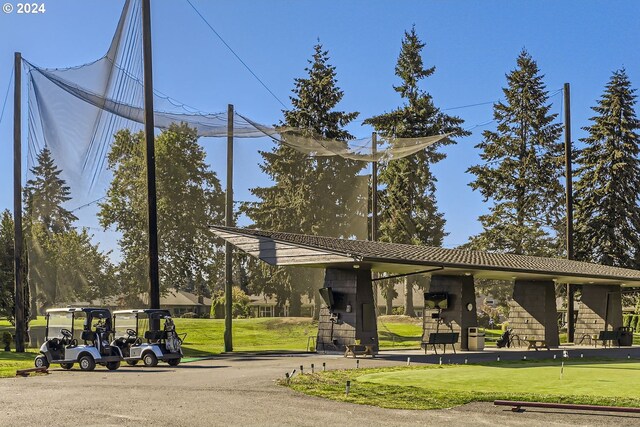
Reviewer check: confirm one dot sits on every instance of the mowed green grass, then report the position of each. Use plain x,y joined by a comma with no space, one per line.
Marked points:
10,362
601,383
206,336
597,379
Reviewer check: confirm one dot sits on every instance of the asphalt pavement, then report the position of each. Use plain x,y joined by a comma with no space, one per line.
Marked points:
237,390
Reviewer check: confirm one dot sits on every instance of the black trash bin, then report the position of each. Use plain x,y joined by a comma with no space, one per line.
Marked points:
626,336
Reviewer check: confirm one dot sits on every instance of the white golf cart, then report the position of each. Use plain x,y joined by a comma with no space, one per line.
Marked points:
160,341
60,345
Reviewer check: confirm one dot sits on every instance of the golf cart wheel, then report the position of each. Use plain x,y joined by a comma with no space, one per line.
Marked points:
173,362
150,359
87,363
132,362
112,366
41,361
66,366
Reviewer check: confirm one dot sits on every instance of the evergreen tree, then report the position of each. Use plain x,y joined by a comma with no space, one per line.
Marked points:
46,193
408,201
310,195
189,199
608,180
64,265
522,170
45,196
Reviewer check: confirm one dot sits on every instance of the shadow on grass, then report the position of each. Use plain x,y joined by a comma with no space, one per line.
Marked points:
389,336
195,352
186,365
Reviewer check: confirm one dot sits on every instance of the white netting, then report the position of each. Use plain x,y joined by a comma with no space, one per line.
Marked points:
89,118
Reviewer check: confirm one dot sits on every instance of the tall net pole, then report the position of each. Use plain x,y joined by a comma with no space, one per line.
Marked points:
228,221
374,203
17,205
374,188
154,274
569,200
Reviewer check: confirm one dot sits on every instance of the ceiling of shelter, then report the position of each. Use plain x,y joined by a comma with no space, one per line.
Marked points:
288,249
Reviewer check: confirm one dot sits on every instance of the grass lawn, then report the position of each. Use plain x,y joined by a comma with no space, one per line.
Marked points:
10,362
601,383
205,336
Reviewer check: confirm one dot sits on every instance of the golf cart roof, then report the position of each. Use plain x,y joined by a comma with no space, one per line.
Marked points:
87,310
147,311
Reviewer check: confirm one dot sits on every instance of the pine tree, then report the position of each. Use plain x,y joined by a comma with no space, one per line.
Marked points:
45,196
522,170
310,195
46,193
408,201
189,199
608,180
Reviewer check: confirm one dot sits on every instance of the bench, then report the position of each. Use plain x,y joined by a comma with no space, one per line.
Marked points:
359,349
605,336
537,344
441,338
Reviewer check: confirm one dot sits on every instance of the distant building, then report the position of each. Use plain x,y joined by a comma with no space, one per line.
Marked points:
182,303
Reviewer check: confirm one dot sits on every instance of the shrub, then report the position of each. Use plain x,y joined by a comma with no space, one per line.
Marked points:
399,311
634,322
7,338
239,301
626,320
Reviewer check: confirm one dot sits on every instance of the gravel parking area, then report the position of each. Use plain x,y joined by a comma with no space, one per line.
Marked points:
236,390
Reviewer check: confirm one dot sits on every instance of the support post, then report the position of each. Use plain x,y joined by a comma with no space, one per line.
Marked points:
149,126
17,205
228,221
569,201
374,203
374,188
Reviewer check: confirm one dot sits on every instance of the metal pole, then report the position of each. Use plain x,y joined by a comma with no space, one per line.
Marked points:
17,204
374,204
374,188
569,199
154,275
228,221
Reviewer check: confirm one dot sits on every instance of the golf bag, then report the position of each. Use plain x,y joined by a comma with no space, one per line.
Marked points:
504,340
172,340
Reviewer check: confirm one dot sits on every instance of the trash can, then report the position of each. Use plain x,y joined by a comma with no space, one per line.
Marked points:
626,336
476,339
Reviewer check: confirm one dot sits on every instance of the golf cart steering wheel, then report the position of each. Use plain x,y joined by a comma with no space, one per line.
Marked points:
131,332
66,333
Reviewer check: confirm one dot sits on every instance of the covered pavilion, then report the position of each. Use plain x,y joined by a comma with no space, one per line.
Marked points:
349,316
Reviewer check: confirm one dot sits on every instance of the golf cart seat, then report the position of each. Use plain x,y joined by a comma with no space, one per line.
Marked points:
155,335
55,344
88,336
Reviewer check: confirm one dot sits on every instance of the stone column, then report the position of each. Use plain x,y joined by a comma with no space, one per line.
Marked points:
600,309
353,317
457,317
533,313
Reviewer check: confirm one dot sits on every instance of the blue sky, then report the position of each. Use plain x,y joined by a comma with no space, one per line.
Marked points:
471,43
